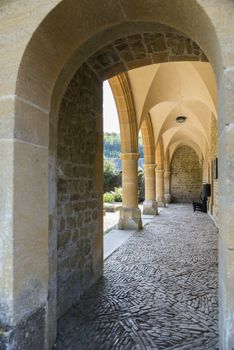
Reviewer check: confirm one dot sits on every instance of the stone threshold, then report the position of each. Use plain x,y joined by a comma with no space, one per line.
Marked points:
115,237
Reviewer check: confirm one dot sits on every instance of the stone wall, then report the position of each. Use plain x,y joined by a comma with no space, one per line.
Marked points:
78,194
186,175
215,203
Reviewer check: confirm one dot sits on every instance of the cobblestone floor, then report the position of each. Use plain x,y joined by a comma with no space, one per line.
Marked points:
159,291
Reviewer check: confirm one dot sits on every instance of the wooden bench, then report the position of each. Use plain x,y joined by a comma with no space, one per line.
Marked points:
201,205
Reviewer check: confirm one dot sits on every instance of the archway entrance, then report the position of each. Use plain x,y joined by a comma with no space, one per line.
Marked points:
88,260
79,171
43,79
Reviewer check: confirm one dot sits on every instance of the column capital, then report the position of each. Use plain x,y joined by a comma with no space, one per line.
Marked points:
129,156
158,170
149,166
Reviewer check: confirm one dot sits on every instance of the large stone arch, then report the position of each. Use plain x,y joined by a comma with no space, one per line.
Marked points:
75,18
49,48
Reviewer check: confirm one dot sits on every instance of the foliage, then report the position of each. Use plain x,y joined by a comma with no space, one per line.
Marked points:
108,197
112,145
112,178
113,196
118,194
141,186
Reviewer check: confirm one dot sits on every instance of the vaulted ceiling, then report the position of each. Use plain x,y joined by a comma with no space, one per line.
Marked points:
164,91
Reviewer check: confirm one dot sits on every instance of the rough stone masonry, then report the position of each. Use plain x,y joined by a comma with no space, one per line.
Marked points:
186,175
77,191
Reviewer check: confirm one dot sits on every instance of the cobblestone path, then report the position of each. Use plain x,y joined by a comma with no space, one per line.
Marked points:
159,291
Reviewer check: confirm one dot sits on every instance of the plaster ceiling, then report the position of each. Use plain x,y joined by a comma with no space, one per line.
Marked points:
167,90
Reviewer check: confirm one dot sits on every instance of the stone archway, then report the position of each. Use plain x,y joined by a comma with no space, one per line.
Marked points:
34,83
79,129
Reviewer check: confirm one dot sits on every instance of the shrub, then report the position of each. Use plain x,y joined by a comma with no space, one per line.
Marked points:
108,197
118,194
141,186
112,178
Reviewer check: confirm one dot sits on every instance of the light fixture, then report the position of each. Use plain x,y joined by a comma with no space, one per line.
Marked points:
181,119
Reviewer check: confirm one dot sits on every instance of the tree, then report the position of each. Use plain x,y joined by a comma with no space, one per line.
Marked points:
112,178
141,186
112,145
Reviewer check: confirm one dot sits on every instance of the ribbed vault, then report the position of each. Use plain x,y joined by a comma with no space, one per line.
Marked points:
160,93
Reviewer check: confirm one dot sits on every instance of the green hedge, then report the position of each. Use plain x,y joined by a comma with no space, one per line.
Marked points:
113,196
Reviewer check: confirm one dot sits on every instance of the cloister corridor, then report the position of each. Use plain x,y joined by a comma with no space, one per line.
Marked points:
170,68
159,290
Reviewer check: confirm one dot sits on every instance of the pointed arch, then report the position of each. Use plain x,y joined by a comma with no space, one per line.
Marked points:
148,140
160,154
121,90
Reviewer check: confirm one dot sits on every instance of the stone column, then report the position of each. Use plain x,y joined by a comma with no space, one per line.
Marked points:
159,177
167,189
130,214
150,206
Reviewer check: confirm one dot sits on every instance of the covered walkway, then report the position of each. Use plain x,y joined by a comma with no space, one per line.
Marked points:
159,291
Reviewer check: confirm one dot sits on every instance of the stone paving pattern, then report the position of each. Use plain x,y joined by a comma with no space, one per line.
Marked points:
159,291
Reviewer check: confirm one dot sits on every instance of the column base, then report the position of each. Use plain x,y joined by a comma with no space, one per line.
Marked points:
161,202
150,207
167,198
130,219
28,334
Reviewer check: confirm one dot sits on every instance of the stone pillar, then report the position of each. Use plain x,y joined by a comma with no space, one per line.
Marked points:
130,214
150,206
159,177
167,189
